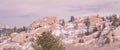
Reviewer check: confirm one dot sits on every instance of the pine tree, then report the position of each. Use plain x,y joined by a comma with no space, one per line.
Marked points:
115,21
103,18
95,29
103,26
72,18
15,29
62,22
87,23
48,42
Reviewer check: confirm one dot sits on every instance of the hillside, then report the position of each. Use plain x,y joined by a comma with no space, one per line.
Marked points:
77,33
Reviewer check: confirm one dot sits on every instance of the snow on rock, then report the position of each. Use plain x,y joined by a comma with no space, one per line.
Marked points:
117,33
20,38
70,33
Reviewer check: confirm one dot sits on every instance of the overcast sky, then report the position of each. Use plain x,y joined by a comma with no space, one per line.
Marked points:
24,12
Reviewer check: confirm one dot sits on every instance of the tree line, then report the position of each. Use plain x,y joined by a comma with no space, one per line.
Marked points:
8,31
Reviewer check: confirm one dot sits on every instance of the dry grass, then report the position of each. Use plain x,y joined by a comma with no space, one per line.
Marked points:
111,46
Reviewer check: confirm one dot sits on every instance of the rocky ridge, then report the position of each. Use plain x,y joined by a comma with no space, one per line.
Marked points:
99,31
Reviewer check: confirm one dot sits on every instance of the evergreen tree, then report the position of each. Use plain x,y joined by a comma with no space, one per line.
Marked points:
72,18
76,26
115,21
48,42
87,23
111,18
15,29
24,29
103,18
62,22
103,26
95,29
0,33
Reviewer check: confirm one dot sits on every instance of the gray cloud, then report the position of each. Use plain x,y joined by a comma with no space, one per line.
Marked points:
23,12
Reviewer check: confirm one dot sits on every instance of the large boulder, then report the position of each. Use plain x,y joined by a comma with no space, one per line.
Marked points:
117,33
20,38
42,22
106,30
91,36
38,31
